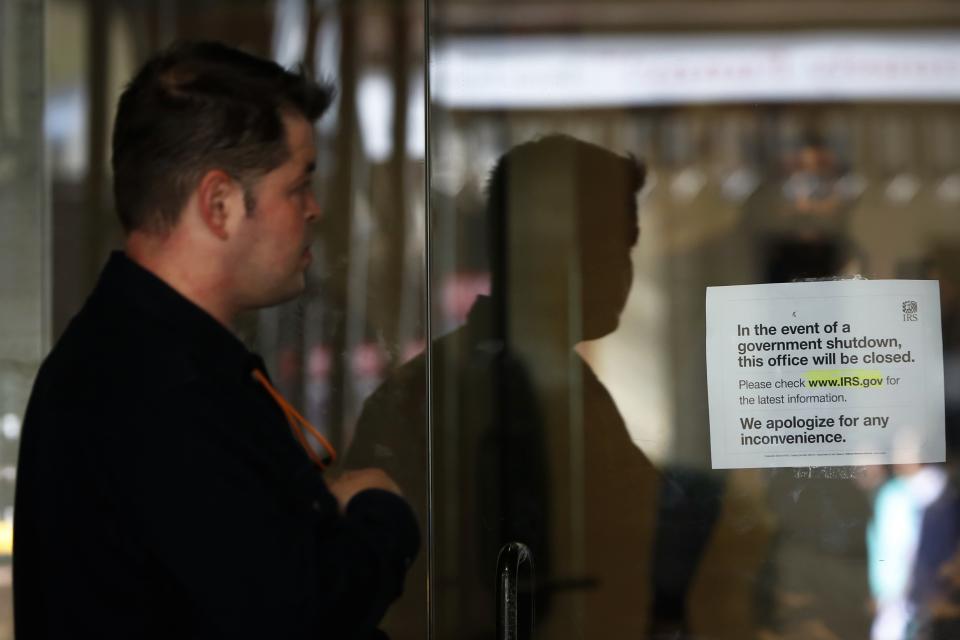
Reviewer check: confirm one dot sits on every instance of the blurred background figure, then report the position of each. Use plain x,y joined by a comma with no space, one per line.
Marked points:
893,541
815,186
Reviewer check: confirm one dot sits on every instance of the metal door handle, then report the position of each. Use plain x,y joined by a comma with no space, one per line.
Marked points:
515,606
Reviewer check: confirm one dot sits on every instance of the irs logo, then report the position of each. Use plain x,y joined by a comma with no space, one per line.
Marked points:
910,311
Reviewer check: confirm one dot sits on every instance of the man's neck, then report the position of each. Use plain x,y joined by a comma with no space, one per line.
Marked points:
196,281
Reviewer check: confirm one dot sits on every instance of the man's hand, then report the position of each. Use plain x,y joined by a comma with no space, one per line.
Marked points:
350,483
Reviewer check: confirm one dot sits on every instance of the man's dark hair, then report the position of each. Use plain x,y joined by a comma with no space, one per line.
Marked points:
196,107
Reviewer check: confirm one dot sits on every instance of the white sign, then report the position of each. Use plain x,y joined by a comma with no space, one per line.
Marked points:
568,71
832,373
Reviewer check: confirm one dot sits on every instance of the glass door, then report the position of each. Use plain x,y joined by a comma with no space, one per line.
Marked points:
526,202
593,168
25,257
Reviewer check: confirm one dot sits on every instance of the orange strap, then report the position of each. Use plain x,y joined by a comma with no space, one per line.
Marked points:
298,423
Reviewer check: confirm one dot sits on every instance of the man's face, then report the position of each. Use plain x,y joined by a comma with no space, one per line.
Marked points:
273,241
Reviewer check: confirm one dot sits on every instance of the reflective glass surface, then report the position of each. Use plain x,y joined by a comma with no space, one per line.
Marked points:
24,252
524,203
748,144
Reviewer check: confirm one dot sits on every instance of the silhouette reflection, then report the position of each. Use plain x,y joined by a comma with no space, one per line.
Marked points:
528,443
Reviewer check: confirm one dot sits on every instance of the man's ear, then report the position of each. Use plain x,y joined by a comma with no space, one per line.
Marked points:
220,200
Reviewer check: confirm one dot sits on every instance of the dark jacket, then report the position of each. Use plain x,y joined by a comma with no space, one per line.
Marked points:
161,493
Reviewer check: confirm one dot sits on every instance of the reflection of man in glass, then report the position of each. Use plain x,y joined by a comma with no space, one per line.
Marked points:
528,444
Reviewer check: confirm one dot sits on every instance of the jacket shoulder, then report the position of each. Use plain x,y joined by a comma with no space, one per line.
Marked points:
99,357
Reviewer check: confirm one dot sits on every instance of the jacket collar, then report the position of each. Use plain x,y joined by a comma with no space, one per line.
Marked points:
151,299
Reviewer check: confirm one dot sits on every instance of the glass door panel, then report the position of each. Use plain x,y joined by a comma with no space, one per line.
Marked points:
568,391
24,253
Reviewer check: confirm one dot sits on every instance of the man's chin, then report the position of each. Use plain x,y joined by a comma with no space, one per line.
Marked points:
280,296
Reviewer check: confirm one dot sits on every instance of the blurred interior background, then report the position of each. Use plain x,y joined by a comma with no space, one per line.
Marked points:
774,132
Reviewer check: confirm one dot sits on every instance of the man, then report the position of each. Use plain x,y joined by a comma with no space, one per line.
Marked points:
161,491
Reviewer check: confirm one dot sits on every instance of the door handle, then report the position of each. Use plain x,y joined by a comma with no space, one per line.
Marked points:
515,588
